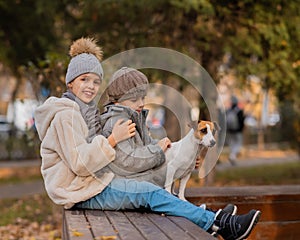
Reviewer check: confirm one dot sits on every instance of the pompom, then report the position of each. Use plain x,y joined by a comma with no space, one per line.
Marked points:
86,45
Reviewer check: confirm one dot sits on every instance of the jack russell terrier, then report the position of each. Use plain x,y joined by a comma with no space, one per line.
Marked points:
181,157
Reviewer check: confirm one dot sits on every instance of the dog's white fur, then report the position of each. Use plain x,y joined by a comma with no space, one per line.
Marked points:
181,157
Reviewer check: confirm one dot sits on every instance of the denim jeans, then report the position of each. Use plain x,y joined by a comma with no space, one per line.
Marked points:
123,194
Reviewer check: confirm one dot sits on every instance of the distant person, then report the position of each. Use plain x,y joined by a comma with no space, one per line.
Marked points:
235,125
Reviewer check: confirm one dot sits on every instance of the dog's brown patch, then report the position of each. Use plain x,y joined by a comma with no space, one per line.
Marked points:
202,128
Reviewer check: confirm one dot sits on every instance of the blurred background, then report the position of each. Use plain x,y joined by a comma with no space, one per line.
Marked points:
249,48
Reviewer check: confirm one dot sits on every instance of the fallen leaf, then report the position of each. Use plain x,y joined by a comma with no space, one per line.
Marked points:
108,237
77,234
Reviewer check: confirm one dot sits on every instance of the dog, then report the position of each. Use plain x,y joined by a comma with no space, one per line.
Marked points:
181,156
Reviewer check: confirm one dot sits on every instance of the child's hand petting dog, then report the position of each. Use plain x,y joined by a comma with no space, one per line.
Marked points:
164,143
198,162
121,131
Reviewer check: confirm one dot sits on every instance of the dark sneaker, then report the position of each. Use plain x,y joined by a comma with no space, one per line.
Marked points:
229,208
236,227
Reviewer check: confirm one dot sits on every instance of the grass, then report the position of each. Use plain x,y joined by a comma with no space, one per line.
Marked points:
277,174
37,208
30,218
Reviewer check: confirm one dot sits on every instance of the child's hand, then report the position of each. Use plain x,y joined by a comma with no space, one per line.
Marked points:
123,130
164,143
199,161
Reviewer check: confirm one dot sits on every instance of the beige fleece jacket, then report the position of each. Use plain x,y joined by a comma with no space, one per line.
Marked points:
69,163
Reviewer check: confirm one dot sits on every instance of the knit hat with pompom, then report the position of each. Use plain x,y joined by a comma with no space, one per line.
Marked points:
127,83
85,58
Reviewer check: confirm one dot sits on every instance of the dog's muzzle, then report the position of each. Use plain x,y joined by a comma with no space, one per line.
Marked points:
212,143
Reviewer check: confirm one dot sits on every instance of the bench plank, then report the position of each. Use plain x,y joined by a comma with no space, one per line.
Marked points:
147,228
76,225
169,227
191,228
101,227
123,226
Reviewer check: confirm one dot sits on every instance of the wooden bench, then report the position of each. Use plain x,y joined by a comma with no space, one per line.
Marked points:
109,225
280,206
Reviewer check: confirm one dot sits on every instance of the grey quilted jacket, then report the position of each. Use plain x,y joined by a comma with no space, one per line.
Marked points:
138,157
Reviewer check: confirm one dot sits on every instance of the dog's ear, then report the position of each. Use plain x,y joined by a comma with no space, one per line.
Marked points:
217,126
193,125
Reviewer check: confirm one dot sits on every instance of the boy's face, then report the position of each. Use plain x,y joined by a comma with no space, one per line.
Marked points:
85,86
136,104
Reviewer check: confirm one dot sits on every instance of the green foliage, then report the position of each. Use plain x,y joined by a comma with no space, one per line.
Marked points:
22,145
26,31
262,36
47,74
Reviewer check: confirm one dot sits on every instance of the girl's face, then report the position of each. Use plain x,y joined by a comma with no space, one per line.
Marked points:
85,86
136,104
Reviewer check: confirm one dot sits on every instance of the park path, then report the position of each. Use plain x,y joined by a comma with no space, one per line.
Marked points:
252,158
21,189
17,190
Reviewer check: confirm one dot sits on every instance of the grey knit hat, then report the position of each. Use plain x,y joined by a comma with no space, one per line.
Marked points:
86,57
127,83
83,63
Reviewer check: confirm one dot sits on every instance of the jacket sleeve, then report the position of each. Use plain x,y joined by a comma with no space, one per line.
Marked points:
82,157
133,157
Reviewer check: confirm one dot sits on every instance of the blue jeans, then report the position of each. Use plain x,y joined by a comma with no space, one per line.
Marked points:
123,194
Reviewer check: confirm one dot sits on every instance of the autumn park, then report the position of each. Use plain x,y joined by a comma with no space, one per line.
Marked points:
203,60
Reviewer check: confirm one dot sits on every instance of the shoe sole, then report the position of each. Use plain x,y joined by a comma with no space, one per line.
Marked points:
254,221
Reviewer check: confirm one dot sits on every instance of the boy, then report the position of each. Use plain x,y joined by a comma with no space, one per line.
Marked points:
139,157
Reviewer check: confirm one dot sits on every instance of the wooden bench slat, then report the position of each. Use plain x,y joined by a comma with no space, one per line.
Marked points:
169,227
76,226
123,226
191,228
147,228
100,224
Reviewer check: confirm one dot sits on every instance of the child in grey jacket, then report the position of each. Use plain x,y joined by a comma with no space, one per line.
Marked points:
140,157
